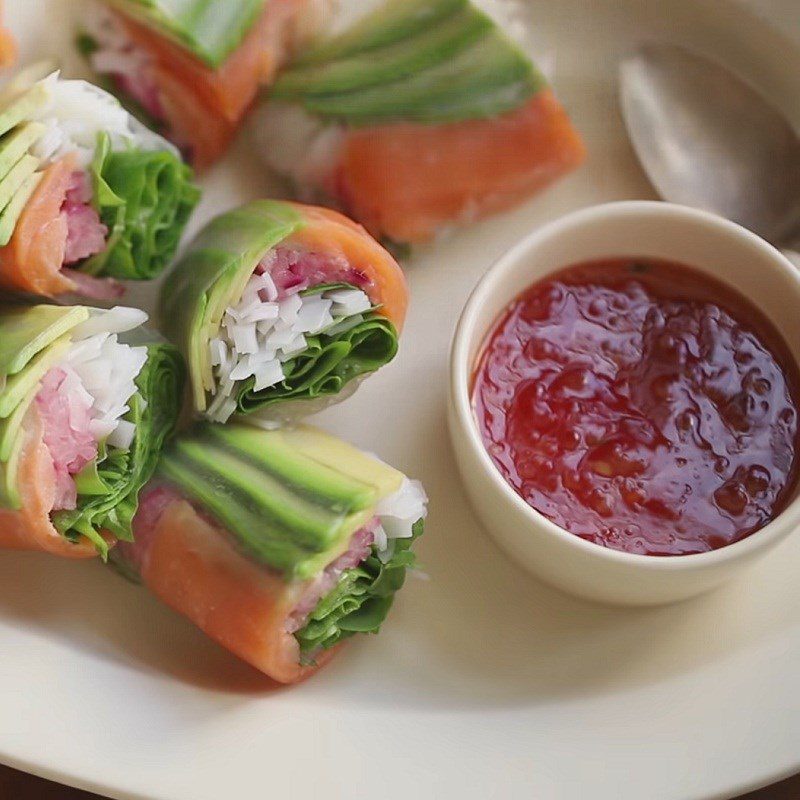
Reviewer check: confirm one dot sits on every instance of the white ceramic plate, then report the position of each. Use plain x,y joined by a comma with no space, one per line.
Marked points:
483,683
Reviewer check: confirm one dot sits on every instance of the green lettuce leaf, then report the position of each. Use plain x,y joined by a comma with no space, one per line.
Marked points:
115,480
145,198
360,600
327,364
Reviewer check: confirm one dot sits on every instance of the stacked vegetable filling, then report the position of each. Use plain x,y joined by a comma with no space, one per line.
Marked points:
83,400
86,191
105,408
302,326
274,303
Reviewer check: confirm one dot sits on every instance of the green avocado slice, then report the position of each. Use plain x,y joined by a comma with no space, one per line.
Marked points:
24,332
16,178
212,274
10,215
398,61
332,452
19,386
391,22
273,453
476,83
275,499
309,525
209,29
24,106
314,564
16,143
253,534
11,443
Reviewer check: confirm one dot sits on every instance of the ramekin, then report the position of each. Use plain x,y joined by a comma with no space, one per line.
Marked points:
643,229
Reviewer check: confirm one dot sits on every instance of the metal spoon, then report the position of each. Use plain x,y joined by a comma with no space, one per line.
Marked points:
707,139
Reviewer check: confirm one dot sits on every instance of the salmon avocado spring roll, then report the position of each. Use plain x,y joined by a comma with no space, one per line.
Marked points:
86,403
87,194
193,67
278,544
422,114
278,302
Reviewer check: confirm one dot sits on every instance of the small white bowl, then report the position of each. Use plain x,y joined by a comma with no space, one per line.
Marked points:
713,245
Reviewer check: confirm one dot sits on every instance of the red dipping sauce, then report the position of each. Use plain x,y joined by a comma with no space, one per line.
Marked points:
641,405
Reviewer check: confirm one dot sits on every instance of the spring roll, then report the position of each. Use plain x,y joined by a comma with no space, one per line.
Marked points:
87,400
280,307
421,115
278,544
193,68
88,195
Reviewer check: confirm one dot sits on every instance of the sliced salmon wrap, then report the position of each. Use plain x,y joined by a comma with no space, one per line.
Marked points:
87,401
279,544
88,195
421,115
8,44
280,309
193,68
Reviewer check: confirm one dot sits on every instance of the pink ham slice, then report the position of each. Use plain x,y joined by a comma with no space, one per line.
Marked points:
86,234
293,271
64,411
30,528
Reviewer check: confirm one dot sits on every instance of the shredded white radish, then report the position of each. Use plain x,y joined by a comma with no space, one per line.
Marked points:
114,320
397,515
258,336
76,112
101,372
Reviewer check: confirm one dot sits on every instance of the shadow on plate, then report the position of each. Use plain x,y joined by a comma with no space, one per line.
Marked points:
90,607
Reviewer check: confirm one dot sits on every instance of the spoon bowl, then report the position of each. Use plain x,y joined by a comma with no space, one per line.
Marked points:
708,139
